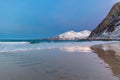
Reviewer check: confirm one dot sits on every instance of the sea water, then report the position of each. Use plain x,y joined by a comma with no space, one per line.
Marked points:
25,45
59,60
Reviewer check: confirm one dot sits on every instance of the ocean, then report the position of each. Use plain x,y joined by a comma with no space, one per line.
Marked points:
59,60
25,45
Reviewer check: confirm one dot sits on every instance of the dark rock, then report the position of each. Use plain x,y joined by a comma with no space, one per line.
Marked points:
109,23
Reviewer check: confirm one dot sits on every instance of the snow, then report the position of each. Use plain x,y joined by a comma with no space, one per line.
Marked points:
112,35
117,23
72,35
109,35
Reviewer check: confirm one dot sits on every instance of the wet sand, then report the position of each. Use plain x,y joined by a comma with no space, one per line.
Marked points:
110,54
99,62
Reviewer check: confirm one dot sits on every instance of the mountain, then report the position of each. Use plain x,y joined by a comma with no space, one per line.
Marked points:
109,28
72,35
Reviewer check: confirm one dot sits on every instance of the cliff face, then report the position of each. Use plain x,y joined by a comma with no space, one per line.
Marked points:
109,24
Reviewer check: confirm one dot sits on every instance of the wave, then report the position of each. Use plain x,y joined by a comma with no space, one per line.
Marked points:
14,43
27,45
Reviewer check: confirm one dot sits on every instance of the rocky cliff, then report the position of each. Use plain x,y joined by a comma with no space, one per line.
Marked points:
109,28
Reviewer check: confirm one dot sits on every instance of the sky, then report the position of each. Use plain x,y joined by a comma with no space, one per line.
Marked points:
35,19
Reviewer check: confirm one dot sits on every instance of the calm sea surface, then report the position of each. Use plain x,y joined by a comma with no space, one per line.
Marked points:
87,60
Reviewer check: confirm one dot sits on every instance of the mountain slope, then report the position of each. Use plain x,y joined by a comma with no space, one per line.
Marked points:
72,35
109,28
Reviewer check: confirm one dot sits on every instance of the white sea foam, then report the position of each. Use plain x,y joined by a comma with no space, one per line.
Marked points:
26,46
14,42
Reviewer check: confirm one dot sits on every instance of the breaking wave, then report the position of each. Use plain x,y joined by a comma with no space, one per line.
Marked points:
1,43
14,46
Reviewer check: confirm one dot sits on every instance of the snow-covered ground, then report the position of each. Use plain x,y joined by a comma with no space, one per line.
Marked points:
111,35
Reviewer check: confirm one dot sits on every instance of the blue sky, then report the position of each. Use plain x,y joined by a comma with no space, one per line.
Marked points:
34,19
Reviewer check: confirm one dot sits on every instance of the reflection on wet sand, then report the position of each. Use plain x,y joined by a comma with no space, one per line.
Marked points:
110,54
76,49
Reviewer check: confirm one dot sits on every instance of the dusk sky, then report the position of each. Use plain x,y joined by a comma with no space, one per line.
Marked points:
34,19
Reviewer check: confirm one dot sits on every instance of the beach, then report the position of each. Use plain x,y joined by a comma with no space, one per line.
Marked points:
60,61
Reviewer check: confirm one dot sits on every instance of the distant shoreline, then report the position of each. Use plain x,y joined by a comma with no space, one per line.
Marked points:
102,39
55,40
88,39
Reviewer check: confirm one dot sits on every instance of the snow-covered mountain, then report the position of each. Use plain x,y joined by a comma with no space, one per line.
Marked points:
72,35
110,35
109,28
